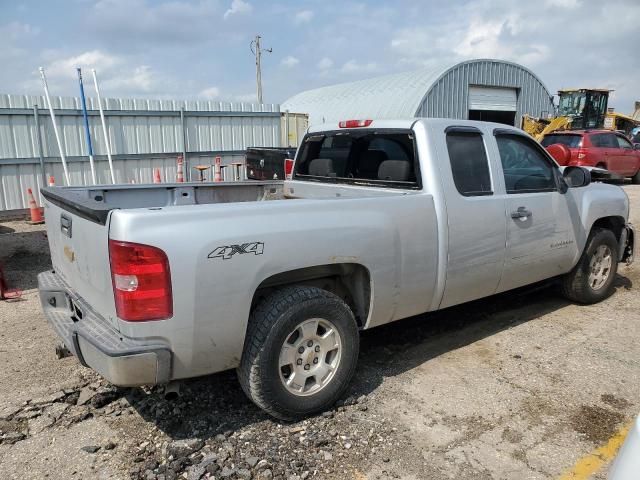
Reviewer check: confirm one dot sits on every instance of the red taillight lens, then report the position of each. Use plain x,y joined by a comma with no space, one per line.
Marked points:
582,154
288,168
141,282
354,123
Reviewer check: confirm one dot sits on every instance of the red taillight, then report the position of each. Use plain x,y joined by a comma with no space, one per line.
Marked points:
288,168
354,123
581,154
141,282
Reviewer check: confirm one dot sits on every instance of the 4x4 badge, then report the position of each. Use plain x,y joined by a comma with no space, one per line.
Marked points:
228,251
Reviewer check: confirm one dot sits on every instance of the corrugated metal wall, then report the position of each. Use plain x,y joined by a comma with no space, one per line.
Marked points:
449,95
144,134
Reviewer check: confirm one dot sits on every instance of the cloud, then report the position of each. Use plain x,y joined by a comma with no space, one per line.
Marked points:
325,63
238,7
210,93
66,67
289,61
499,39
352,67
14,35
134,24
119,75
17,30
548,38
568,4
303,16
139,81
245,97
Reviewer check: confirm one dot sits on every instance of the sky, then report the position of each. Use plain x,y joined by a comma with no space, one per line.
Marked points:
200,49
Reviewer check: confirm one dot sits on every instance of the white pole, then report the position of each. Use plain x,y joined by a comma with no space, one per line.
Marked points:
104,126
55,127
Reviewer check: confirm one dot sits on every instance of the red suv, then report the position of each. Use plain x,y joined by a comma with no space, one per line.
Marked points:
595,148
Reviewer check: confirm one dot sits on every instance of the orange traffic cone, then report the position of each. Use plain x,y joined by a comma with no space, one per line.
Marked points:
52,181
156,176
180,172
34,210
218,170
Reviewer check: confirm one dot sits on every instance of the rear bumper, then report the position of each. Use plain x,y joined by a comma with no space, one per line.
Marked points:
121,360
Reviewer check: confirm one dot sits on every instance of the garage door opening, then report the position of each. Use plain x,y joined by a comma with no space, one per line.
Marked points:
493,104
508,118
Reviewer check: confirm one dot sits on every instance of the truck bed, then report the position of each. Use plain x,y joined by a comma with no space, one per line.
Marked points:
94,203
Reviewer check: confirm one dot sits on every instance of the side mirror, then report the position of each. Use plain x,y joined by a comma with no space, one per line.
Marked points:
576,177
636,146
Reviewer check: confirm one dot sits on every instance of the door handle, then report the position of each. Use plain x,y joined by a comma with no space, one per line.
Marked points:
522,212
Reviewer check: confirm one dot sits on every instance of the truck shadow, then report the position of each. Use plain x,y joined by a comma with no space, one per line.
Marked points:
23,255
215,405
401,346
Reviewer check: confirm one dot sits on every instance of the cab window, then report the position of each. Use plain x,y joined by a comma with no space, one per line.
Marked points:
469,164
361,157
525,167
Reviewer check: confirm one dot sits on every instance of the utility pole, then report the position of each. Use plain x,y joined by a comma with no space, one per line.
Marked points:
257,51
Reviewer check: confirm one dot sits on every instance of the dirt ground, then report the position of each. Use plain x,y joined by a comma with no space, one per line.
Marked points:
517,386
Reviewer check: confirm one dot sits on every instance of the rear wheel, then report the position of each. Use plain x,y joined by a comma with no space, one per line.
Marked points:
591,280
300,352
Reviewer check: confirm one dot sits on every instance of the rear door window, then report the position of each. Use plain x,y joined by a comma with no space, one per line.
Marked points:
624,143
569,140
525,167
604,140
363,157
469,164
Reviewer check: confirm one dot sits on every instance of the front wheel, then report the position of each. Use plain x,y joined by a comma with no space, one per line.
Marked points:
591,280
636,178
300,352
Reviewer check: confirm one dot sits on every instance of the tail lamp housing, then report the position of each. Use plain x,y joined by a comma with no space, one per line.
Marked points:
288,168
141,281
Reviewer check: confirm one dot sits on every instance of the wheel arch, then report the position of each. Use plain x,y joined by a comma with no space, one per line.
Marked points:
349,281
615,223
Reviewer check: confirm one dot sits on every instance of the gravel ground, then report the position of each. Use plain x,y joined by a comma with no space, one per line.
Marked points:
516,386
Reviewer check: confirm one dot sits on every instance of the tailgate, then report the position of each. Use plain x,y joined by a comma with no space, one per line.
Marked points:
80,255
267,163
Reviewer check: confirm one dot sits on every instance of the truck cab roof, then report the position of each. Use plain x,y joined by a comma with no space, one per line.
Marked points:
406,123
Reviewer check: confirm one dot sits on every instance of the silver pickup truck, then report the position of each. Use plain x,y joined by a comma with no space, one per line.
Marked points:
380,220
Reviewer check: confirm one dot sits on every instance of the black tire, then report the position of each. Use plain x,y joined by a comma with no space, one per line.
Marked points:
575,285
636,178
270,324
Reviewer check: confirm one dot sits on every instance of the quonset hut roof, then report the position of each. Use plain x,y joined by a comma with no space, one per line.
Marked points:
406,95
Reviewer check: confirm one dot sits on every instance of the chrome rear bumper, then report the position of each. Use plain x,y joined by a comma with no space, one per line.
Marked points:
122,361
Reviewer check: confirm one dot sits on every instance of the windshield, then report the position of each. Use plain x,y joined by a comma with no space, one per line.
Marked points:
571,141
571,104
363,157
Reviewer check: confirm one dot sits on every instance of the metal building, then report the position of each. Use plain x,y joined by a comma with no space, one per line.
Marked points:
143,135
490,90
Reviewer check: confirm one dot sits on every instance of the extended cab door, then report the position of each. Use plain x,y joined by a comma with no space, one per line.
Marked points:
475,216
540,238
